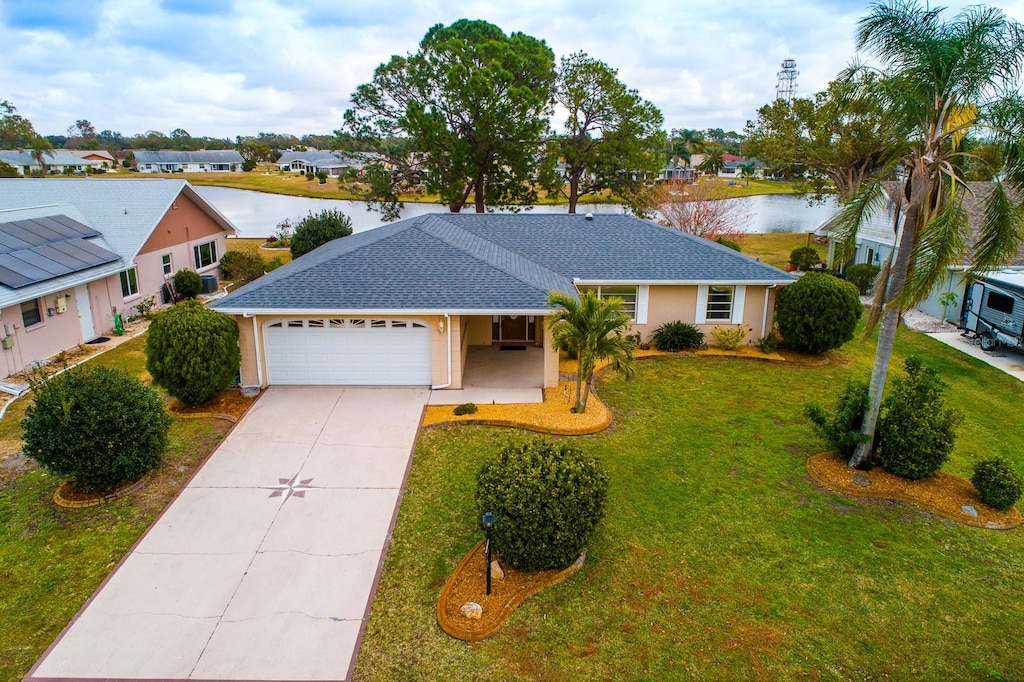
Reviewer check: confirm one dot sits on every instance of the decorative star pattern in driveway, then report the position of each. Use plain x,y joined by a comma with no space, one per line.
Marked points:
290,487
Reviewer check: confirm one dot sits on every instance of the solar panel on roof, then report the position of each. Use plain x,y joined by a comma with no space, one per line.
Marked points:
40,249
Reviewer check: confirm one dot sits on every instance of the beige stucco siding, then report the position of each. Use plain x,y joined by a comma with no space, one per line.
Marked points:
671,303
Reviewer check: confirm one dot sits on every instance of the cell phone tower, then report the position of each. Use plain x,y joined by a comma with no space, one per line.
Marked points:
786,87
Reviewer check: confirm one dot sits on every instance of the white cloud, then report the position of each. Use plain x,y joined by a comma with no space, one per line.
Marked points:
290,65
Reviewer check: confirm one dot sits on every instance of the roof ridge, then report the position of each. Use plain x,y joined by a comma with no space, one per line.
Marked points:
513,264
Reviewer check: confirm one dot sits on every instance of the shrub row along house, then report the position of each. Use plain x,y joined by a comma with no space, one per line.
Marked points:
405,304
73,253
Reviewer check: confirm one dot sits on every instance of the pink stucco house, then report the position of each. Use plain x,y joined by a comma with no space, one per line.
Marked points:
75,252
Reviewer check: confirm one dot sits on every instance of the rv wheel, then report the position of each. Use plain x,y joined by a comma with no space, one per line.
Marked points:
988,342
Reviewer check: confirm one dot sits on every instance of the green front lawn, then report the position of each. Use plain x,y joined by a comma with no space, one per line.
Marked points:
52,559
719,559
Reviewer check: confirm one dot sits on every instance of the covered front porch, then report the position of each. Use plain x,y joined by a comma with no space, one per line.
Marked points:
503,359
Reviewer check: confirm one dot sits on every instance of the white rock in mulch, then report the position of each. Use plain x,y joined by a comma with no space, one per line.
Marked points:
496,571
969,510
922,322
472,610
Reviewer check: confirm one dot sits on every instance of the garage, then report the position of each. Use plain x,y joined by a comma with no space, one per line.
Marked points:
348,352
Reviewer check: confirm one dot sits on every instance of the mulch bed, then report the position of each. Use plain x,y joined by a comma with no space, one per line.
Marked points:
943,493
228,402
71,497
468,584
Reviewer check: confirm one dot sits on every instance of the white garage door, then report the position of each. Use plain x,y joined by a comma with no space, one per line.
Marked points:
348,351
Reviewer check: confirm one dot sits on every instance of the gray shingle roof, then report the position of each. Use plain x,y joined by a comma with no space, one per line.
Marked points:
490,262
202,156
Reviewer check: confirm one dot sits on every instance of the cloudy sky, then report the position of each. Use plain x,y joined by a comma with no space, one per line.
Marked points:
229,67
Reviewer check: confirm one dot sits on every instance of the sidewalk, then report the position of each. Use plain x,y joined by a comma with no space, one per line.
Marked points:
1006,359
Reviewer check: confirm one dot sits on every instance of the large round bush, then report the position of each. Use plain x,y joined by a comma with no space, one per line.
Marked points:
998,484
547,498
862,276
315,230
917,431
98,426
192,351
817,313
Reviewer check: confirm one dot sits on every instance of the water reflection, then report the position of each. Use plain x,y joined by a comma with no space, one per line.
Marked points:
256,214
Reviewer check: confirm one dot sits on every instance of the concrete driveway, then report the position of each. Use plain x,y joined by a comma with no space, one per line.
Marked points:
264,567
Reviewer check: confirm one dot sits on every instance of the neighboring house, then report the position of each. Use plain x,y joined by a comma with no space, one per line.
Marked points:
100,156
877,236
734,168
402,304
56,163
206,161
330,162
677,171
73,253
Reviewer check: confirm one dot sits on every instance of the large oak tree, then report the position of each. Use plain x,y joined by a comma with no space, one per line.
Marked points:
464,115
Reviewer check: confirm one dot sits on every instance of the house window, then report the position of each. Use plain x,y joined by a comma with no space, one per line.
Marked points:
626,293
166,262
31,313
1001,303
720,303
129,283
205,254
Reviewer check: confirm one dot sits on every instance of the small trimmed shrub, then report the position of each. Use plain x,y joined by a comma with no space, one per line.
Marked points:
248,165
547,498
673,337
817,313
728,243
187,283
917,431
192,351
315,230
100,427
804,257
322,177
728,338
465,408
310,175
862,276
840,428
241,266
998,484
768,343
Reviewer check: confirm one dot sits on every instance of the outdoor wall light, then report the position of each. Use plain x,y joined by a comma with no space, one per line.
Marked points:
488,523
440,326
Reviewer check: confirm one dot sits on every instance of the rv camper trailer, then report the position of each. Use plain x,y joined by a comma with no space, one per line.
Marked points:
993,310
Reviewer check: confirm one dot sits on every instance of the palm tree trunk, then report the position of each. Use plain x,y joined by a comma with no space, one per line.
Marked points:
574,190
861,458
579,384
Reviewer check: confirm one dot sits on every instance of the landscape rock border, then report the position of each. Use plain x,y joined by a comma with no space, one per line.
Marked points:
61,500
497,608
944,494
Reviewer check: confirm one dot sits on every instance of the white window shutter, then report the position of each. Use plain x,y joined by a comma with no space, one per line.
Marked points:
738,297
641,303
702,304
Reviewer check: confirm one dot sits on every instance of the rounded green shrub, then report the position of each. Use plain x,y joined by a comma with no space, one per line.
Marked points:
315,230
804,257
547,498
917,431
998,484
192,351
99,427
673,337
817,313
187,283
241,266
862,276
465,408
840,427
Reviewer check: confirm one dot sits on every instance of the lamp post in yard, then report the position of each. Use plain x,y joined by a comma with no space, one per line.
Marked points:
488,523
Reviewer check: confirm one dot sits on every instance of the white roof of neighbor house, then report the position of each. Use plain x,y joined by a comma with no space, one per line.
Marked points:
15,157
1011,278
877,228
125,212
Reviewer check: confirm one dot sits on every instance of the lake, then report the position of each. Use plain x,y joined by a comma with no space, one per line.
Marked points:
256,214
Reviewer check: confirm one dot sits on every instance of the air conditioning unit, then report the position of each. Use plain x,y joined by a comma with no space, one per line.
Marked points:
210,284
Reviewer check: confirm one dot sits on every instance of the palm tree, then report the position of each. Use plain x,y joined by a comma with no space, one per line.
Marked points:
941,82
714,161
594,329
748,170
41,148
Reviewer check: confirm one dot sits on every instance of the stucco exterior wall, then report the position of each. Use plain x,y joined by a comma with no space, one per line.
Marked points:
550,360
671,303
56,332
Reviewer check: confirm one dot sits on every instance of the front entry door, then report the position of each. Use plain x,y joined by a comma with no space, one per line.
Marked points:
85,313
513,329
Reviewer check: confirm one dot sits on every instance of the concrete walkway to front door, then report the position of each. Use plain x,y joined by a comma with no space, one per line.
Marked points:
264,567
